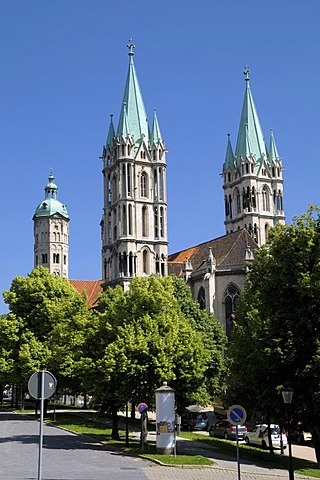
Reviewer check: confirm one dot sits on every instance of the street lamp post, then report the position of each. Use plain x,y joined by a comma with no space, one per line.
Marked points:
287,394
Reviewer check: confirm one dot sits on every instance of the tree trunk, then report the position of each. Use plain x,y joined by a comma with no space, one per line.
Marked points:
115,425
269,433
133,411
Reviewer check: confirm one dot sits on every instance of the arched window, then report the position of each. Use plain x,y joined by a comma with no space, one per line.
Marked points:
124,220
156,228
266,231
265,199
160,184
237,201
144,185
129,180
56,258
202,298
124,181
145,231
231,298
161,222
145,261
130,219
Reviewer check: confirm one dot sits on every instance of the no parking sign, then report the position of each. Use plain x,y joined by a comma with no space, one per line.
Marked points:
236,415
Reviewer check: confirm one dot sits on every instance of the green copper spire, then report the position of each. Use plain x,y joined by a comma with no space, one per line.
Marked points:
136,122
273,152
250,137
228,162
111,133
50,205
155,132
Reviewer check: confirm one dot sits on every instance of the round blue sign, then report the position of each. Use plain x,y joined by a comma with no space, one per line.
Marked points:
142,407
236,415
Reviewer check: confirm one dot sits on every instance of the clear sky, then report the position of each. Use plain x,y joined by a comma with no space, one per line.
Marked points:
63,70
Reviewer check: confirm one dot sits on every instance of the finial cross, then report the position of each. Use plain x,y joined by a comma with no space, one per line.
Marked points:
131,46
246,71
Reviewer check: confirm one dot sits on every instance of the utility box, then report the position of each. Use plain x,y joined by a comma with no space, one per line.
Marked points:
165,419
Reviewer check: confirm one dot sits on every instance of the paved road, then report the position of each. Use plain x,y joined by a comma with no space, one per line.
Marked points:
69,457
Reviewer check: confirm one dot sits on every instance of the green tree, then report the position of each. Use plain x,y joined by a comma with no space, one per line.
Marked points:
49,319
143,338
277,336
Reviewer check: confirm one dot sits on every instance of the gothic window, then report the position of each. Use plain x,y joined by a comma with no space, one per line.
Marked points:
273,172
109,226
123,181
202,298
130,264
230,206
155,184
161,222
123,152
255,233
156,233
226,204
145,261
154,152
128,150
231,298
144,184
129,180
130,219
114,188
144,221
229,177
124,264
253,197
64,259
105,269
247,167
162,265
238,201
157,265
36,259
280,204
266,231
124,220
109,190
44,258
108,161
160,184
265,199
252,167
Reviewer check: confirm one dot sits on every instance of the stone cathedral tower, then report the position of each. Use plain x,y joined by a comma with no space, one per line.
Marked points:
252,177
51,232
134,223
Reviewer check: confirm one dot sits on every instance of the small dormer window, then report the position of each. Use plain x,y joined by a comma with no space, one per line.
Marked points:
229,177
44,205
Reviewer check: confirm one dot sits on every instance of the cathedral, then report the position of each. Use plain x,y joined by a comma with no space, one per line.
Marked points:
134,231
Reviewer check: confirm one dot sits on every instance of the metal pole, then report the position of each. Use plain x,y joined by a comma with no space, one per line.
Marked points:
238,456
41,424
127,425
291,471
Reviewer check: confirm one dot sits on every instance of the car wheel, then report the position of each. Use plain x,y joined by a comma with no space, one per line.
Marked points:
263,444
247,441
211,432
226,436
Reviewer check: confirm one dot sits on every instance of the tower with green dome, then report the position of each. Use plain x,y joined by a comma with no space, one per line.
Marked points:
252,177
51,232
134,222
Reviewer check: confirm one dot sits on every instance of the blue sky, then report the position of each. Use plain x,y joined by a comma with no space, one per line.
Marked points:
63,71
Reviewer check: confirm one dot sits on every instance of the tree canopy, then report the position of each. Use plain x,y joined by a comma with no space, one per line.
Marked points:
143,337
47,325
277,325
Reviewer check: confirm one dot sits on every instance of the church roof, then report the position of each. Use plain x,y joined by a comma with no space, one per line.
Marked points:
250,137
229,252
51,206
133,117
92,288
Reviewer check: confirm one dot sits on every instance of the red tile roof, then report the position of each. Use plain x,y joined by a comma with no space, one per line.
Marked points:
91,288
228,250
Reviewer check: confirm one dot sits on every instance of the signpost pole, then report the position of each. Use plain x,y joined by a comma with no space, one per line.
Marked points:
237,416
41,377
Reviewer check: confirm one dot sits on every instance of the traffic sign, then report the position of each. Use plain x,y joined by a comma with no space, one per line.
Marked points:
142,407
49,384
236,415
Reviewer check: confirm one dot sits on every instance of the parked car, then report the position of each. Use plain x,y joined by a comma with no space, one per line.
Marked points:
259,436
194,421
224,429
